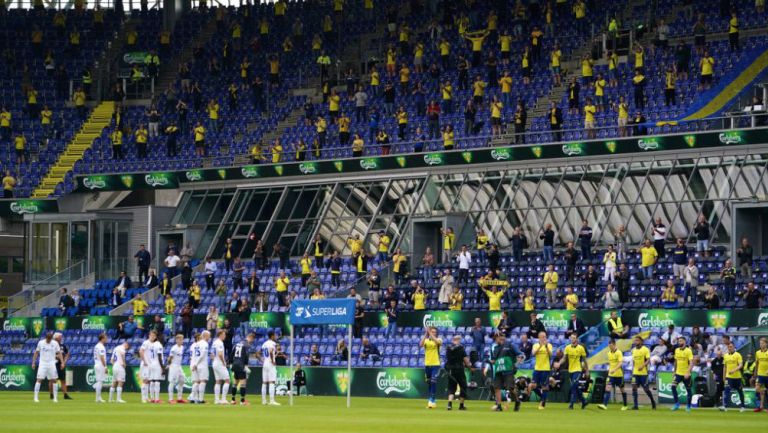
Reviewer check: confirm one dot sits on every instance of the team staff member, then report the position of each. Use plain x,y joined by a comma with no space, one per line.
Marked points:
542,352
504,359
615,375
641,358
431,344
456,360
732,365
683,367
576,357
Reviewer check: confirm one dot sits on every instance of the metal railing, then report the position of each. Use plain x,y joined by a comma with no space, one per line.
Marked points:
44,293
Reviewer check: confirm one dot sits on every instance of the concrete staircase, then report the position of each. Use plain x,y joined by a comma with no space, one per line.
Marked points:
167,75
99,119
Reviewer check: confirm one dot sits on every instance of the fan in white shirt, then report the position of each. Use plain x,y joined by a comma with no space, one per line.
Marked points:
48,350
100,366
220,372
175,373
118,371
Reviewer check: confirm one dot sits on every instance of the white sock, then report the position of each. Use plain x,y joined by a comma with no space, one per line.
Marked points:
170,391
271,392
263,392
157,390
37,389
180,390
119,392
216,392
97,387
201,392
111,392
224,391
55,390
144,391
193,394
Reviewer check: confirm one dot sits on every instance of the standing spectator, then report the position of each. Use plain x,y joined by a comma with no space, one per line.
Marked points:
212,319
745,255
186,320
449,238
399,267
357,328
391,311
659,232
446,287
691,281
210,273
519,244
361,104
753,298
478,338
143,259
648,257
374,287
585,240
609,260
456,302
728,280
550,284
238,267
611,298
622,281
571,257
9,183
548,236
253,287
464,259
590,284
556,121
427,262
229,255
493,257
669,295
187,253
186,277
621,243
281,288
172,263
679,259
221,295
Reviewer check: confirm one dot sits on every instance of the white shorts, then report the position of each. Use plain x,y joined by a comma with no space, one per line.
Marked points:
100,373
155,372
47,371
144,373
269,373
176,374
220,372
200,375
118,373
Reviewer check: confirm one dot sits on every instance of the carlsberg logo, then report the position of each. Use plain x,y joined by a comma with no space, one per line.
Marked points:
433,159
86,324
250,172
308,168
369,164
194,175
648,144
551,321
11,379
573,149
155,180
438,322
651,320
729,138
90,376
501,154
14,326
389,384
762,319
94,183
24,207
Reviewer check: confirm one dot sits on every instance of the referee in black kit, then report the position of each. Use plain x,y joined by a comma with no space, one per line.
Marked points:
456,360
61,369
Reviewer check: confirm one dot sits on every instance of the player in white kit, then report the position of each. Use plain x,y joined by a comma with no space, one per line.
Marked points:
100,366
193,361
269,369
220,371
150,367
118,371
175,373
156,371
49,351
200,367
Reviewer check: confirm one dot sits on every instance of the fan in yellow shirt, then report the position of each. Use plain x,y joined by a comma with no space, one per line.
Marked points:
589,118
494,297
419,299
571,300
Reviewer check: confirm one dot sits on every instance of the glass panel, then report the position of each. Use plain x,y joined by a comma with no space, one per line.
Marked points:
59,246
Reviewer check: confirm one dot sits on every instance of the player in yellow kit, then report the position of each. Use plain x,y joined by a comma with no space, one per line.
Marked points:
431,344
683,367
542,352
615,375
576,356
732,365
761,369
641,358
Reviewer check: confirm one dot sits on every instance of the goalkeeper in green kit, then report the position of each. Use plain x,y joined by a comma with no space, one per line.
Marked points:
504,359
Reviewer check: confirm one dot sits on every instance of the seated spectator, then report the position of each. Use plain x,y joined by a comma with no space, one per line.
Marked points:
575,326
139,305
76,298
669,295
158,325
123,283
115,299
281,358
616,328
505,325
369,351
127,329
315,358
341,353
151,280
389,296
65,301
528,300
535,327
658,353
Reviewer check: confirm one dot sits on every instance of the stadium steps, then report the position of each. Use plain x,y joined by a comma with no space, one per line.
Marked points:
168,70
99,119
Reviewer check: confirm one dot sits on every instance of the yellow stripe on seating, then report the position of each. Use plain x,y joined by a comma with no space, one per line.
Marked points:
623,345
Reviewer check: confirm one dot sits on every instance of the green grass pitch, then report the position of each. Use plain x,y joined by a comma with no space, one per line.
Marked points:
329,414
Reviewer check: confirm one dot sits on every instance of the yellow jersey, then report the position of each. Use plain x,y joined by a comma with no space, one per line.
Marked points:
615,360
306,265
731,361
418,301
494,299
589,113
141,136
600,87
170,306
624,112
281,284
575,354
46,116
586,67
639,59
550,280
543,355
356,245
648,256
571,301
639,357
397,262
343,124
506,84
431,353
479,88
707,65
683,359
445,48
448,239
405,75
761,356
506,43
139,307
5,119
528,303
199,133
19,142
384,242
555,56
496,108
733,25
333,102
375,80
447,92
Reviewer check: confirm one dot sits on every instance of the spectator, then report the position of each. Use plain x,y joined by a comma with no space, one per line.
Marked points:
9,183
478,338
611,298
186,277
622,282
691,281
456,301
419,298
548,236
369,351
238,267
374,287
281,289
590,284
519,244
399,267
194,294
341,353
669,295
127,329
585,240
315,358
621,243
65,300
139,305
526,346
505,325
392,312
357,329
493,257
212,319
571,257
299,379
464,259
609,260
169,305
221,295
123,283
670,334
186,253
143,260
535,327
550,284
575,326
702,235
427,262
281,359
745,255
151,280
115,299
389,295
171,263
449,238
528,300
446,287
648,256
616,328
679,259
253,287
753,298
659,232
158,326
494,297
571,299
728,280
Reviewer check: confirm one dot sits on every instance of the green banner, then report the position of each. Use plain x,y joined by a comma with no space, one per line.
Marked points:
18,207
33,326
17,378
422,160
